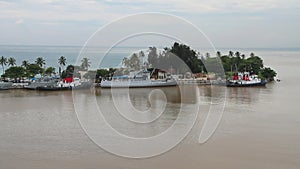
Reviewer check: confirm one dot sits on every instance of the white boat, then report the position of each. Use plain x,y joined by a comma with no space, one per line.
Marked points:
146,78
74,82
71,83
66,84
245,80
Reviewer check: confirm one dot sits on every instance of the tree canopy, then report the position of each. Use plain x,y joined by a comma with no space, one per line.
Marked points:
3,62
15,72
11,61
132,62
50,70
268,73
40,61
85,63
252,64
25,63
62,61
179,57
33,69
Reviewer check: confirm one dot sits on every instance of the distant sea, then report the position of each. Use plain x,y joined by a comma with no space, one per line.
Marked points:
113,58
52,53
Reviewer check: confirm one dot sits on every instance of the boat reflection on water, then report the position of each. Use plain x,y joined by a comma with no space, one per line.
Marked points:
173,94
246,95
181,94
150,110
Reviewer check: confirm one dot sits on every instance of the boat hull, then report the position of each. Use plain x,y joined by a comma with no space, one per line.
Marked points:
137,84
5,85
53,88
36,85
59,88
245,84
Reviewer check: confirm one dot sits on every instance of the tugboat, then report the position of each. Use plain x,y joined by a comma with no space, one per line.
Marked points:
245,80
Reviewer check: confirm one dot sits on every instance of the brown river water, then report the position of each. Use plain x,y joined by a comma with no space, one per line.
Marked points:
260,127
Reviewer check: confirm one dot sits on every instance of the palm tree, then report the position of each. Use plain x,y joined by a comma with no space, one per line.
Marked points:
85,63
141,57
238,60
125,62
230,53
244,62
237,54
218,54
62,62
243,56
40,61
11,61
25,63
3,62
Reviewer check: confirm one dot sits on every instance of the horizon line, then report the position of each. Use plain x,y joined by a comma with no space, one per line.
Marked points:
131,46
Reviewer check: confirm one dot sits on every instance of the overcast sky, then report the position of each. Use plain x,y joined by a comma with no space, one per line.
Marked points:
228,23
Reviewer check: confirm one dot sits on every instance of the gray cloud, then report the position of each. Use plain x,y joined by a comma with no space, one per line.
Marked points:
221,19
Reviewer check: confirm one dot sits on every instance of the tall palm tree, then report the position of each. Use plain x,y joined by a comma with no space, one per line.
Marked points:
141,58
237,54
40,61
218,54
125,62
62,61
243,56
237,60
25,63
3,62
85,63
11,61
230,53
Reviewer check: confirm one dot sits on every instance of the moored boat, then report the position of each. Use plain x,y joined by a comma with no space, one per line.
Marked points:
5,85
245,80
35,85
66,84
145,78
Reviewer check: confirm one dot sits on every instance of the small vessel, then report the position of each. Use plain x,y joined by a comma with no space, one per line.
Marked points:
5,85
35,85
67,84
245,80
146,78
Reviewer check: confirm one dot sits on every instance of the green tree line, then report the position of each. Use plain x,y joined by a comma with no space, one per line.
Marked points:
179,57
29,70
182,58
237,62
